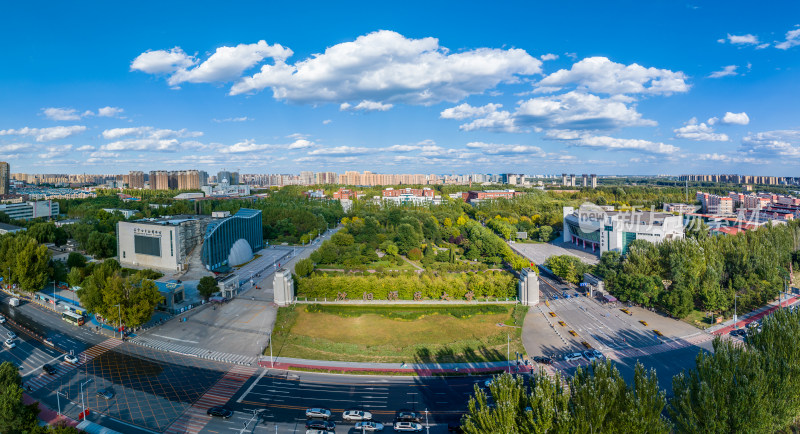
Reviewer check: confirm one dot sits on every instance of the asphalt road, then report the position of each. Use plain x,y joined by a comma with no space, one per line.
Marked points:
282,399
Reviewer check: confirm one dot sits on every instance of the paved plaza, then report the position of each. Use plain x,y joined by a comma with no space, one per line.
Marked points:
539,252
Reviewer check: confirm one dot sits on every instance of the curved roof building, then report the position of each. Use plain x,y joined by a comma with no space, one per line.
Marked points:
232,240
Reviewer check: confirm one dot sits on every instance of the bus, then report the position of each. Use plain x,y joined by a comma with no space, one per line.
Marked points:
74,318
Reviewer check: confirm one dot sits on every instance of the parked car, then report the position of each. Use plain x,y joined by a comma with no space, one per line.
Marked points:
71,358
318,431
543,360
598,354
220,411
48,368
573,356
738,332
9,343
356,415
407,427
325,425
107,394
369,426
11,335
2,319
410,416
589,355
318,413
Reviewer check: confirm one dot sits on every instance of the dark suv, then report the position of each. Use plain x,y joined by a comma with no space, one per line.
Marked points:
407,416
50,369
223,412
325,425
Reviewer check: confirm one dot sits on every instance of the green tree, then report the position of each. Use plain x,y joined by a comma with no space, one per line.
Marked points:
75,277
76,259
407,238
304,267
207,286
545,232
101,245
15,416
32,266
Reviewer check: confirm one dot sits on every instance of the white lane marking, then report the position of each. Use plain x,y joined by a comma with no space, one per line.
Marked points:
176,339
261,375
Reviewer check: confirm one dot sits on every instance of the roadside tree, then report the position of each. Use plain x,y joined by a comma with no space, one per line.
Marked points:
207,286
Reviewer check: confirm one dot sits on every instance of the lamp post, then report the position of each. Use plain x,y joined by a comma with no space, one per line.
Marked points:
735,319
508,352
58,398
427,425
119,324
83,407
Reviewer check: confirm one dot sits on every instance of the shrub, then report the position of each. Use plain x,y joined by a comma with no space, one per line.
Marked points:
415,254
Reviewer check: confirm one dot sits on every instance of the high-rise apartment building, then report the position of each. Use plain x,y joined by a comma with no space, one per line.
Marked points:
135,179
5,178
159,180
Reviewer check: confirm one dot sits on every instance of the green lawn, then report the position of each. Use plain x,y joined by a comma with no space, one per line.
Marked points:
413,334
387,266
698,319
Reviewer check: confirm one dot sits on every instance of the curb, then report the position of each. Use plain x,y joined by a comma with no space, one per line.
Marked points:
377,371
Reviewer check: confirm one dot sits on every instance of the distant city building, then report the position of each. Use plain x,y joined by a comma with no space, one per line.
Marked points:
6,228
681,208
127,213
30,210
135,179
43,193
225,189
603,231
5,178
742,179
347,194
410,196
473,196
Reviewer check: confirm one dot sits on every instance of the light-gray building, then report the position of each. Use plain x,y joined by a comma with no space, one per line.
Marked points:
162,244
30,210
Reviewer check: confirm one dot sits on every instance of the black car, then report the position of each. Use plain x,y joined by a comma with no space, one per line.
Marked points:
325,425
543,360
738,332
223,412
407,416
50,369
105,393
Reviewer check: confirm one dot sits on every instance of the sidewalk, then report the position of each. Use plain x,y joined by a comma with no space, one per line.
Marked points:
743,320
48,415
421,369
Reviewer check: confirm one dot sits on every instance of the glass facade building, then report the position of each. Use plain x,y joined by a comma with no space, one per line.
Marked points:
232,239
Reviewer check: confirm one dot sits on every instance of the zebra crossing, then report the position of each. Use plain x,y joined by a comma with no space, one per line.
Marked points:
674,344
62,368
195,418
195,352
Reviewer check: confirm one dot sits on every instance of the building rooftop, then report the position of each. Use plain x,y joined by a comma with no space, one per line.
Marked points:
8,228
171,220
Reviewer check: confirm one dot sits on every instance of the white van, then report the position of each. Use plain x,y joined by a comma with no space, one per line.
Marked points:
14,302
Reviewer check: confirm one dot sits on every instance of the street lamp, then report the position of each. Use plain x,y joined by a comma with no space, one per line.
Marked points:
58,397
735,320
119,324
83,407
427,425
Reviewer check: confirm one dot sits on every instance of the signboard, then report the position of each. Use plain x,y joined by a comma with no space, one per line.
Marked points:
522,235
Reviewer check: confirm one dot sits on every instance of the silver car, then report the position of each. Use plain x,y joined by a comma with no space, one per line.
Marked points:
369,426
407,427
573,356
318,413
356,415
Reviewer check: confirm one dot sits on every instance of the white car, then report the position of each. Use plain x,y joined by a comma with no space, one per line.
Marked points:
356,415
11,335
2,319
573,356
71,359
369,426
407,427
318,413
9,343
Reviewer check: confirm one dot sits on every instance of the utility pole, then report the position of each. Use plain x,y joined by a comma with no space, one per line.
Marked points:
59,394
119,324
735,320
427,425
83,407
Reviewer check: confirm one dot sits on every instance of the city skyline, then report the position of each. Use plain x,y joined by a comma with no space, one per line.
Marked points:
393,91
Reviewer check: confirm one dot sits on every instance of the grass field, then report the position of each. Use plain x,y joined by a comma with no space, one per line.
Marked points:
395,334
387,266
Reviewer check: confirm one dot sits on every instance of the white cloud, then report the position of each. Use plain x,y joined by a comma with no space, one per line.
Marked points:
700,132
61,114
548,56
55,151
228,63
724,72
725,158
497,121
599,74
148,144
85,148
162,61
762,46
387,67
736,118
465,111
14,147
341,150
792,39
747,39
577,110
326,121
501,149
301,144
777,143
149,132
46,134
247,146
366,106
239,119
612,143
109,112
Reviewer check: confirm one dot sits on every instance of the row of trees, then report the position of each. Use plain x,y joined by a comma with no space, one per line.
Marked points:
492,284
119,296
740,388
24,262
705,273
16,417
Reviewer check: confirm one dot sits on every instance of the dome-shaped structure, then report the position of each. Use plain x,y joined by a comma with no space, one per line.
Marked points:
241,252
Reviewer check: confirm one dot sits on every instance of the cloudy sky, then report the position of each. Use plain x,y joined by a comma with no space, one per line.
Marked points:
659,87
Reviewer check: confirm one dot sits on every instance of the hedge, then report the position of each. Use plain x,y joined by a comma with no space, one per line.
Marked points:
492,284
407,312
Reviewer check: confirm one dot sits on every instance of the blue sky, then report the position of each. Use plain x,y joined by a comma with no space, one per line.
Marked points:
658,87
